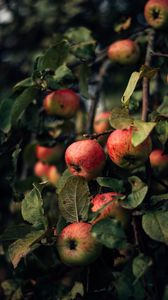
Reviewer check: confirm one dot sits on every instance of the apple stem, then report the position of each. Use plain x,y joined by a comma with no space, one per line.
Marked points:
145,83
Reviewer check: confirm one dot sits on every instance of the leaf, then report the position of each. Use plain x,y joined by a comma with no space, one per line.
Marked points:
136,197
62,180
109,232
15,232
120,118
32,209
5,114
54,57
22,247
83,80
140,266
141,131
79,35
74,199
148,71
62,73
23,84
134,78
77,289
21,103
162,131
158,198
155,224
115,184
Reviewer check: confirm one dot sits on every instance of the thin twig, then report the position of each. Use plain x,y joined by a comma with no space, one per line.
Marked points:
159,54
145,84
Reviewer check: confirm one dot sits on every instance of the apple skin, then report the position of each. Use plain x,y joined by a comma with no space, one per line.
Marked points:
124,52
53,175
159,162
101,122
123,153
76,245
49,154
63,103
156,13
85,158
112,210
41,169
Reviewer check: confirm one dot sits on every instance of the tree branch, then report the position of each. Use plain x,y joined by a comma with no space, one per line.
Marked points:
145,84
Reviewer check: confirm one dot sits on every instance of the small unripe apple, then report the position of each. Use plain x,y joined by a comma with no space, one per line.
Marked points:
85,158
53,174
76,245
124,52
156,13
159,162
112,210
49,154
63,103
123,153
40,169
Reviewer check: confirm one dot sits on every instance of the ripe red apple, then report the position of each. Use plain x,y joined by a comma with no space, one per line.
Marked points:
63,103
113,209
156,13
53,175
124,52
123,153
40,169
159,162
49,154
85,158
101,122
76,246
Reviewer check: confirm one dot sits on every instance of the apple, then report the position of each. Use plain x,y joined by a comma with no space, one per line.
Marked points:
112,210
40,169
101,122
159,162
53,175
63,103
76,245
123,153
124,52
85,158
49,154
156,13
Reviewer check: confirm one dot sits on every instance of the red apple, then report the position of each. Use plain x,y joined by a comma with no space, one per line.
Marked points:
123,153
49,154
159,161
156,13
53,175
40,169
76,246
113,209
85,158
124,52
101,122
63,103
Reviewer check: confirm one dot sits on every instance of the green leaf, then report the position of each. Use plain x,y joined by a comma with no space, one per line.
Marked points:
54,57
141,131
134,78
140,266
120,118
162,131
15,232
77,289
23,84
155,224
32,209
136,197
21,103
158,198
79,35
22,247
115,184
5,114
74,199
62,73
109,232
83,80
62,180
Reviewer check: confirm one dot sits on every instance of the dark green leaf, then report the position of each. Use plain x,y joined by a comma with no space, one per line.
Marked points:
74,199
5,114
136,197
116,185
62,181
83,80
155,224
23,84
15,232
109,232
140,266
